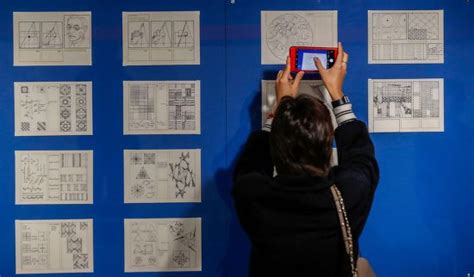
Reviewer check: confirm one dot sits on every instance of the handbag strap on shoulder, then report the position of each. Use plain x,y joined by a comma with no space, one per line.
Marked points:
345,227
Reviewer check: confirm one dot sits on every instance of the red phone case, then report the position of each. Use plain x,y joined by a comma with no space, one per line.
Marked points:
294,50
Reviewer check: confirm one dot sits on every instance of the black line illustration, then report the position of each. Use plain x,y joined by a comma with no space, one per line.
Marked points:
138,34
406,105
52,109
288,30
145,113
81,108
182,175
183,34
52,38
153,176
77,32
39,242
160,38
52,35
412,36
52,177
29,35
423,26
161,34
162,244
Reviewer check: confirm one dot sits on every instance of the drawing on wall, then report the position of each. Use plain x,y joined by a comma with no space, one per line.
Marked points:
156,176
52,38
406,37
309,87
282,29
155,245
406,105
54,246
54,177
139,32
161,38
162,107
53,109
77,31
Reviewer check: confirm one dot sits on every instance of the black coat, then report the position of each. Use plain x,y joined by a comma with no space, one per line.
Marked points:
292,220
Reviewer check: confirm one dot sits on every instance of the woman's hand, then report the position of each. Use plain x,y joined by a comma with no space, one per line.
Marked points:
333,78
285,84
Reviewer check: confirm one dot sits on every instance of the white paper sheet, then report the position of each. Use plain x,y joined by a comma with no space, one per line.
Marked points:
54,177
162,107
53,108
159,176
406,37
309,87
54,246
161,38
283,29
169,244
406,105
52,38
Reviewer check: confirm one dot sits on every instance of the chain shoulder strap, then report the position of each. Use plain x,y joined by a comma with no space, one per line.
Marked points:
345,227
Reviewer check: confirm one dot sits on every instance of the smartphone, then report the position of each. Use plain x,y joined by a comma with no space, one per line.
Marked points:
302,57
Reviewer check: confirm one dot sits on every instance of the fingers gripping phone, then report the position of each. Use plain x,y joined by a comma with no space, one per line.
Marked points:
302,57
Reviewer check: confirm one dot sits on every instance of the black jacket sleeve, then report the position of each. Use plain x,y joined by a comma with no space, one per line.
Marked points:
255,157
357,172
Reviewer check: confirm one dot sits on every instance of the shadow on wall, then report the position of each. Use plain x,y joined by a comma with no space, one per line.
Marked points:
236,256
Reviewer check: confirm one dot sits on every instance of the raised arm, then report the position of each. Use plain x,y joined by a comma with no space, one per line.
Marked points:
357,173
256,157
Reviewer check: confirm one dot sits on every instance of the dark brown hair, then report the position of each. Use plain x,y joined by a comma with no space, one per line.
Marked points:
301,136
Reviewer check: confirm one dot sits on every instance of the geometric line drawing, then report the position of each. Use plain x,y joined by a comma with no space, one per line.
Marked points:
161,34
423,26
138,34
54,246
183,34
29,35
164,107
142,174
53,109
52,38
52,35
288,30
406,36
165,244
406,105
81,108
54,177
390,26
162,176
182,175
65,105
161,38
282,29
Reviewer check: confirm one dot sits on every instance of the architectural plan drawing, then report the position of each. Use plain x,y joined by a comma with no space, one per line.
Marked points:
53,109
162,107
310,87
406,37
53,177
406,105
167,244
52,38
282,29
161,38
156,176
54,246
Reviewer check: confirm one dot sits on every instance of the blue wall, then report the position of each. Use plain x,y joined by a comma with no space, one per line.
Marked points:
421,222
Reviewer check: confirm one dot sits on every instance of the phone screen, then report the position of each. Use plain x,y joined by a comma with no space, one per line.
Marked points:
305,59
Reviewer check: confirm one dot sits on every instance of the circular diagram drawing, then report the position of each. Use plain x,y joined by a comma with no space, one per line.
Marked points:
288,30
